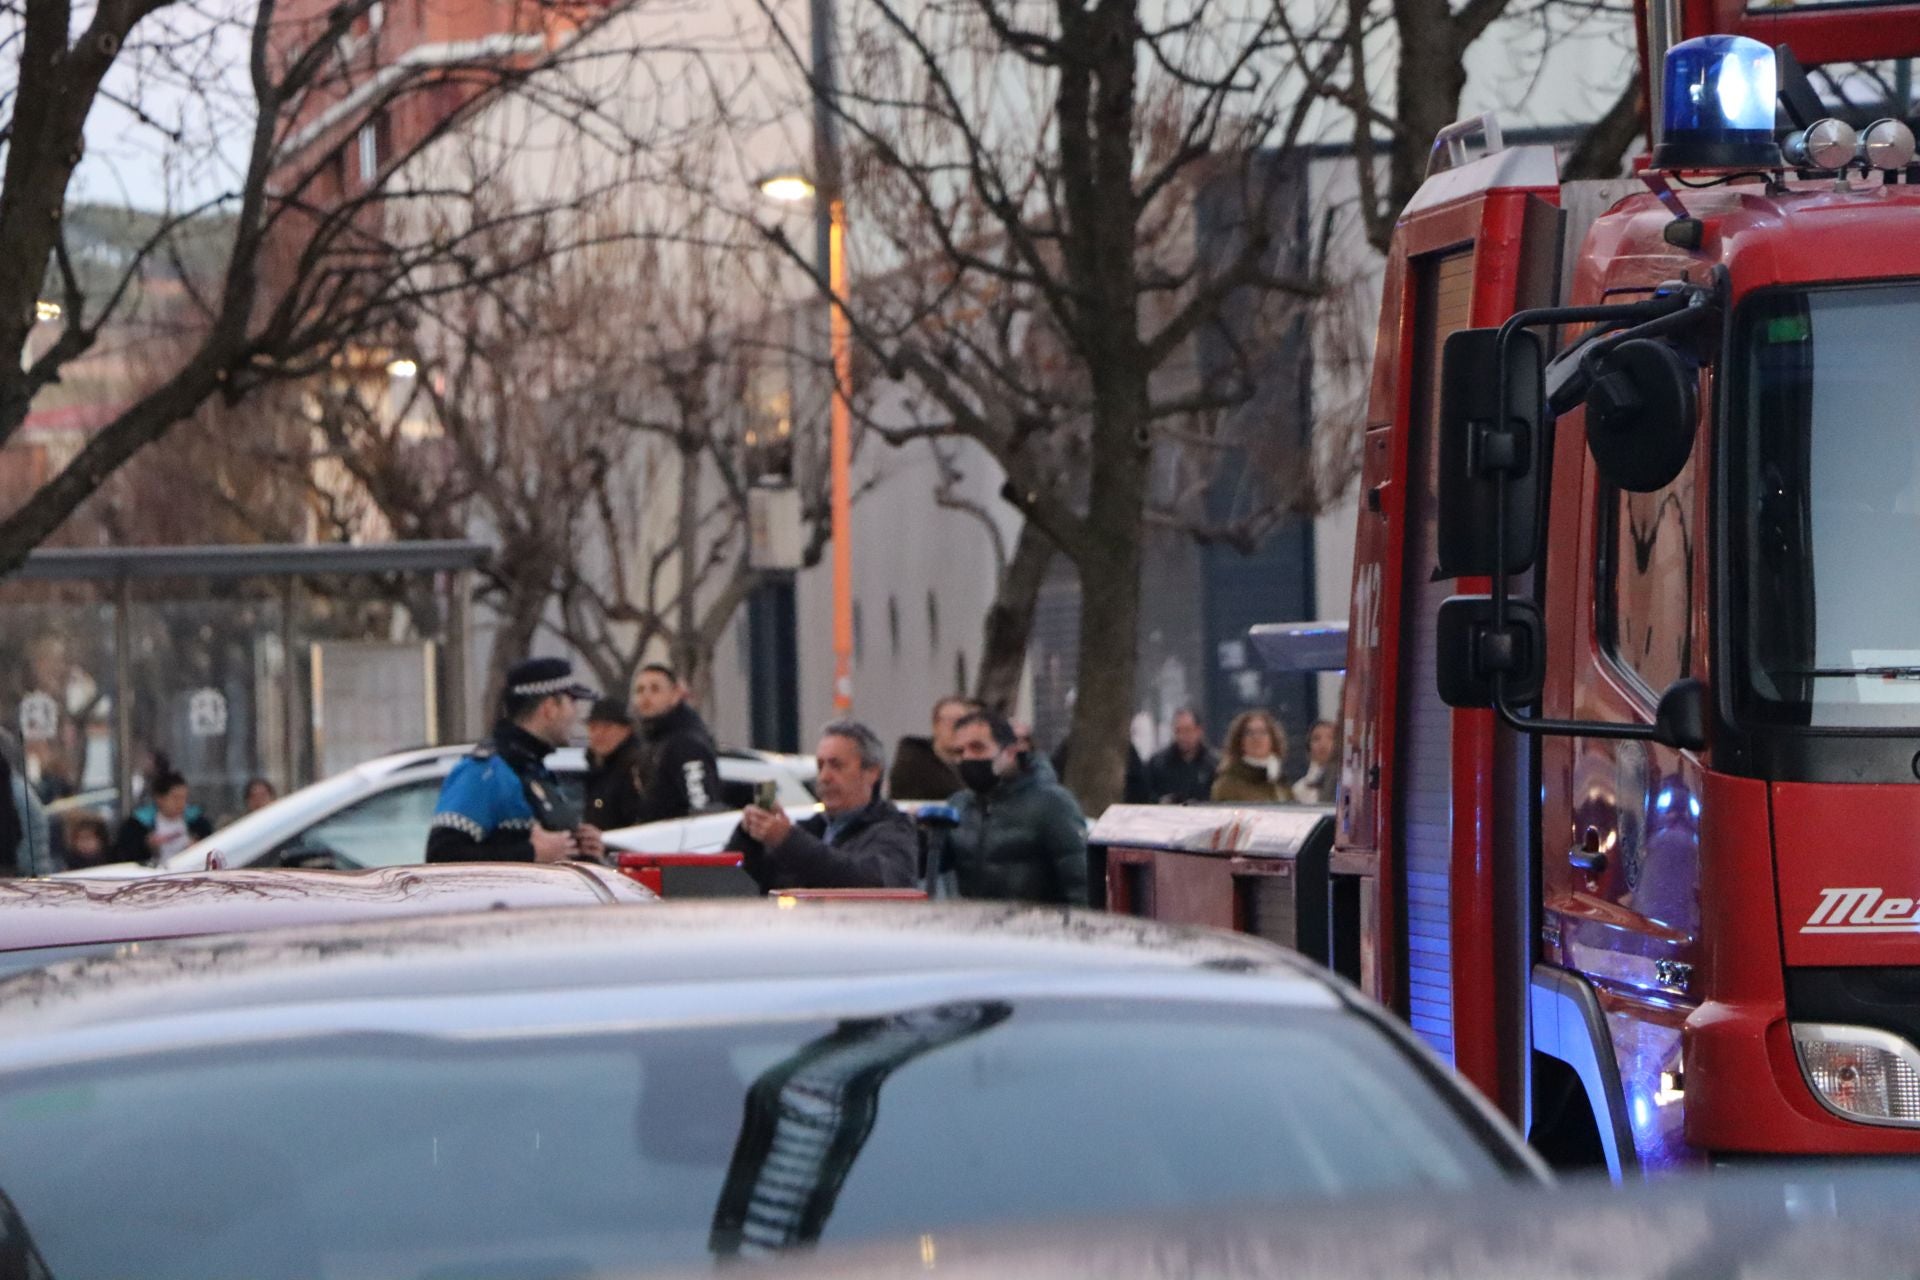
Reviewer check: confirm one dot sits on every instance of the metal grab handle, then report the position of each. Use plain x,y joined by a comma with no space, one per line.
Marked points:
1586,856
1592,863
1451,142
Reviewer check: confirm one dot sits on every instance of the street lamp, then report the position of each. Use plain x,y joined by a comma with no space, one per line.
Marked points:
787,188
792,188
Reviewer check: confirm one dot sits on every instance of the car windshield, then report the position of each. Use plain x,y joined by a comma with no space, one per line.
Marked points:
604,1151
1827,476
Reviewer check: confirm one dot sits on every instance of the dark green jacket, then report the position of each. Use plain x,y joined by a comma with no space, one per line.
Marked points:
1023,841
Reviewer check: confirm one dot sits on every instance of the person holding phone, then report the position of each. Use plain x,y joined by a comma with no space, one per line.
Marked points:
858,841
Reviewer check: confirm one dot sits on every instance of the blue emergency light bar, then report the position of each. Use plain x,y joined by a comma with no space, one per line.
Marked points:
1718,109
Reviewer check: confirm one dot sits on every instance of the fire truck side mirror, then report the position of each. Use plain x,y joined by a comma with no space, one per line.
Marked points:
1483,438
1469,649
1680,721
1642,408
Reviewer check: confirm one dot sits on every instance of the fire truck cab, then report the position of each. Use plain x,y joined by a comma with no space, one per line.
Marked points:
1631,771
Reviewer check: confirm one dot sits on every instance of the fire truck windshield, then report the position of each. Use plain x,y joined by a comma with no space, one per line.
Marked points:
1826,508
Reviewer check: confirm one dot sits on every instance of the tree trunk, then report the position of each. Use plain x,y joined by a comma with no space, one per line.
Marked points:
1008,630
1108,557
520,612
1430,78
1603,149
689,659
1103,699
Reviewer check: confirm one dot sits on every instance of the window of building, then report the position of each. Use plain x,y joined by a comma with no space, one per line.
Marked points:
370,152
933,623
893,624
1648,582
859,633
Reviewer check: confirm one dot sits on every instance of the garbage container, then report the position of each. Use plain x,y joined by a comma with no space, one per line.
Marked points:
1259,869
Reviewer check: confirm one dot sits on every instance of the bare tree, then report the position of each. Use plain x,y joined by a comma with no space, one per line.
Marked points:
280,133
1026,176
1018,573
603,418
1420,48
699,387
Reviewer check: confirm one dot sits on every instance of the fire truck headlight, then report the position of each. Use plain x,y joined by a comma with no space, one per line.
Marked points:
1887,144
1718,109
1860,1072
1824,144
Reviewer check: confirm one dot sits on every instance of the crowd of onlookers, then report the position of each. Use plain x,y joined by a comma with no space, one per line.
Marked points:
1016,832
1008,831
45,839
1249,768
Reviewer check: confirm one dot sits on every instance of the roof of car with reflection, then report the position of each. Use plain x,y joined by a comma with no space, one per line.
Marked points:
666,960
70,912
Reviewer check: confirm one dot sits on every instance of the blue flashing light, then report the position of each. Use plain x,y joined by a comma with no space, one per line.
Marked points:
1719,103
1693,806
1664,801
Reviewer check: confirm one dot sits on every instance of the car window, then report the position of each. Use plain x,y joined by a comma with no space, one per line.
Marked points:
38,957
506,1150
258,829
385,830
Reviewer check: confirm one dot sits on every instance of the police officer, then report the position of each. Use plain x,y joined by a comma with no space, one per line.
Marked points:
501,804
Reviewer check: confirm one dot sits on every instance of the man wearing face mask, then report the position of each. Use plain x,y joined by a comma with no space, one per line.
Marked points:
1021,837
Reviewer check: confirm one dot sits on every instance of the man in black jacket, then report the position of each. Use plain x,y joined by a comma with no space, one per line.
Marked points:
679,772
860,841
615,782
1183,772
1021,837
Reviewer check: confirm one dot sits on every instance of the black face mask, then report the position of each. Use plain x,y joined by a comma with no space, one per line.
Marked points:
978,775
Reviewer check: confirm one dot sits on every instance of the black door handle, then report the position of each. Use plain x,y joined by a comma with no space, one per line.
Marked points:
1587,856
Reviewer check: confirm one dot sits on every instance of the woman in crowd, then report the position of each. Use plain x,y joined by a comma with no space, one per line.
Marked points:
1318,784
1250,761
258,795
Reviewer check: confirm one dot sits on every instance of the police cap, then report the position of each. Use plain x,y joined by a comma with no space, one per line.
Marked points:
543,678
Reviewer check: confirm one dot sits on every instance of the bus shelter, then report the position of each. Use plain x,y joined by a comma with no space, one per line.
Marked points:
232,662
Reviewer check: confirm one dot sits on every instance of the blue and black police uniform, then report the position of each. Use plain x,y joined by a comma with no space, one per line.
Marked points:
490,802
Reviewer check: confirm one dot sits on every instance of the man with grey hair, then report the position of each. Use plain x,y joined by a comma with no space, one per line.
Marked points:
858,841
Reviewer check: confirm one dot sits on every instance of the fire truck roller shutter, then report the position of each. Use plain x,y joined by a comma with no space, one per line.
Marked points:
1443,300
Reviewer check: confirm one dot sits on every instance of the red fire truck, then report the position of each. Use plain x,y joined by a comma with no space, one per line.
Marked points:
1629,825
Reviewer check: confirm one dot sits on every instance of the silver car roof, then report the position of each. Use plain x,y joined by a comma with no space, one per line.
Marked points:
548,972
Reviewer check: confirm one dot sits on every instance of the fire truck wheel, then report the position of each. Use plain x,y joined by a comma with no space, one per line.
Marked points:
1564,1131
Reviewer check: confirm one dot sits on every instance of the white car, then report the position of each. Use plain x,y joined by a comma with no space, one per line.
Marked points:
378,814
